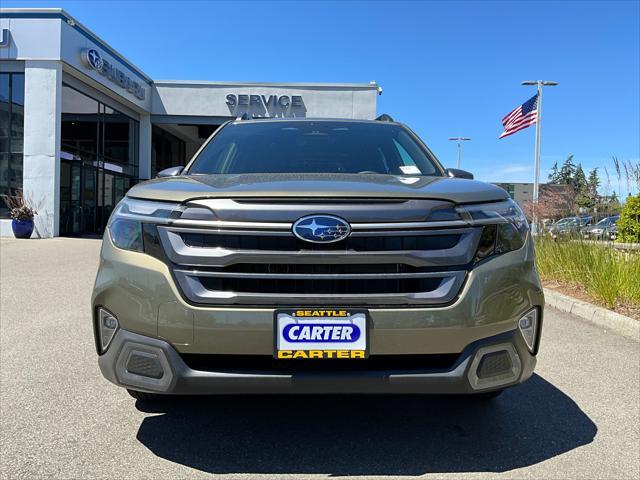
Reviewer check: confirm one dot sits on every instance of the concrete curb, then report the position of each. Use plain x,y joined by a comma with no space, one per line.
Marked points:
610,320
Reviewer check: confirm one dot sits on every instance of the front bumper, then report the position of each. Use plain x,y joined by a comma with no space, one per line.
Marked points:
140,291
177,377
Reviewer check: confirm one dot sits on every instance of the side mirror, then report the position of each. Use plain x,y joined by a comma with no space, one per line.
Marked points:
170,172
457,173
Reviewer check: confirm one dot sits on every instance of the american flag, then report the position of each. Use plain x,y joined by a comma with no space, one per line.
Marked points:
521,117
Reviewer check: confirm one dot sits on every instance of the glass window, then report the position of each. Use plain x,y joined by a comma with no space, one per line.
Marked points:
100,154
11,135
314,147
79,136
167,150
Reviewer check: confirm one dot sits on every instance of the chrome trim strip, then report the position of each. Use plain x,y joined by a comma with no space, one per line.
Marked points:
354,226
287,226
408,225
227,224
180,253
224,231
318,276
285,233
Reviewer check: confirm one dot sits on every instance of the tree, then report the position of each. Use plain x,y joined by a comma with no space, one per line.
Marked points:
610,203
553,176
579,180
580,186
593,183
555,201
629,223
567,172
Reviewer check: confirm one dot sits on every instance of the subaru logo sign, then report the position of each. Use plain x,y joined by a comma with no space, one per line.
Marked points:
321,229
94,59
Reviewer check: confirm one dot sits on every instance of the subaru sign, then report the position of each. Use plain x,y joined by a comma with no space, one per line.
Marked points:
92,58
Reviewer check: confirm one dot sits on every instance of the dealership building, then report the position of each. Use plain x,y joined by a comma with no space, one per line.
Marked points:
80,124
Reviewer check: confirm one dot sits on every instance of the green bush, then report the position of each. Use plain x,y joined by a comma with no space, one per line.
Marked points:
629,223
607,275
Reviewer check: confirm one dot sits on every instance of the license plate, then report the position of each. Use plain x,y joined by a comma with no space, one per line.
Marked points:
321,333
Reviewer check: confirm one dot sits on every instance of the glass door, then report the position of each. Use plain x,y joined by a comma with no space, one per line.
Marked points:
99,162
89,200
70,198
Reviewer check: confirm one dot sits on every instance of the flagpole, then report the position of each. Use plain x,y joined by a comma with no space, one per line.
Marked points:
536,165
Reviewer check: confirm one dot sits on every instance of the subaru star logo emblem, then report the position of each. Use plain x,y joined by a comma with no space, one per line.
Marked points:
321,229
94,59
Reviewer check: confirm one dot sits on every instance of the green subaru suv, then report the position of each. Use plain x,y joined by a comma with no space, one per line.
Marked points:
316,256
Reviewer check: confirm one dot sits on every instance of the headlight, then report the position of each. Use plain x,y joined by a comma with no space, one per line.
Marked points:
505,226
125,224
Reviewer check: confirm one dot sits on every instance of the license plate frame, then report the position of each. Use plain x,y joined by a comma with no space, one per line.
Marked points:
330,348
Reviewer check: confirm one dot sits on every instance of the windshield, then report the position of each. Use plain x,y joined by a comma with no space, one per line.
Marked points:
604,222
314,147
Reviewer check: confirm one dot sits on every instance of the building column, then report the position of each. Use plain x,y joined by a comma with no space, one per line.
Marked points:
144,152
42,125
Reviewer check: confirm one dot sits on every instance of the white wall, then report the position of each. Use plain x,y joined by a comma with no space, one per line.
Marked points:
73,43
31,38
209,99
41,171
144,151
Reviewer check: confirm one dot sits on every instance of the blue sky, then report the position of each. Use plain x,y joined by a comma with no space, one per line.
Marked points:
447,69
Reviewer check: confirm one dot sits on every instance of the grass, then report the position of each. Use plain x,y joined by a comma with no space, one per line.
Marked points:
608,276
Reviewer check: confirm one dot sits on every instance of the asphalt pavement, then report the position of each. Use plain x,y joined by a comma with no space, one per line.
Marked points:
577,417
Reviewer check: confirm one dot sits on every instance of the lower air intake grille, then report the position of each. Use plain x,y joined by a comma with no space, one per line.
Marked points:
494,364
145,364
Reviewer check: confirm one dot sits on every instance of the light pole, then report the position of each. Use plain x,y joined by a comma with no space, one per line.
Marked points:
536,167
459,140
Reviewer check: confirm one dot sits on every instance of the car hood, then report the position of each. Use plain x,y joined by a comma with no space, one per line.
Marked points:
183,188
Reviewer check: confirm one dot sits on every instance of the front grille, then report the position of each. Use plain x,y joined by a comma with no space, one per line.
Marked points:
321,269
321,286
267,363
261,263
290,243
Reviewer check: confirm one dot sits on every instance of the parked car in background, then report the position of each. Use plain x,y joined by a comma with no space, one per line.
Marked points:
570,226
601,229
612,232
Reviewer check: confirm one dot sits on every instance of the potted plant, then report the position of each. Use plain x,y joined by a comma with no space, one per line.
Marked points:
21,214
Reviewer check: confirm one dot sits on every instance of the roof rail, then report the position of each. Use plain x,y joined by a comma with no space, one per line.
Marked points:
384,118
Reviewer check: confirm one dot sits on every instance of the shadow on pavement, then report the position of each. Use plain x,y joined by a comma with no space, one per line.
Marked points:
366,435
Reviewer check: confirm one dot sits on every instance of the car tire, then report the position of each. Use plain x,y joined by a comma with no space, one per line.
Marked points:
145,397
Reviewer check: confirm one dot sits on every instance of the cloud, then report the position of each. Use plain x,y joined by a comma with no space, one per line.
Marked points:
515,169
505,173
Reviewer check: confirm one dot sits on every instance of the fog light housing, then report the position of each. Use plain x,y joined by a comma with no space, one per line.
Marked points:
107,327
145,364
528,327
494,366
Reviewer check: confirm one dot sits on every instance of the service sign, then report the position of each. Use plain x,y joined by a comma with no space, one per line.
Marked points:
321,333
